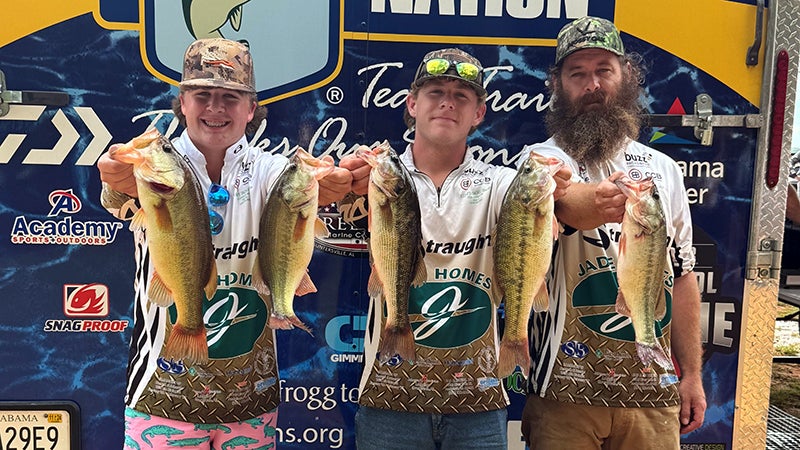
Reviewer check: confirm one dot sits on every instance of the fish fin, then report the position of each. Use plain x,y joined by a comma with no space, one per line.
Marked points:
158,292
258,281
557,228
513,353
320,230
541,301
306,286
138,221
651,353
622,305
374,285
188,345
421,273
211,286
280,322
299,228
396,340
622,245
235,17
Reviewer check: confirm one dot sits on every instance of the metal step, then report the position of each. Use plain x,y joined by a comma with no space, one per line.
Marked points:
783,430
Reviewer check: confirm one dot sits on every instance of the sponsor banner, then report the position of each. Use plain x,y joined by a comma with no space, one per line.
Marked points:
68,266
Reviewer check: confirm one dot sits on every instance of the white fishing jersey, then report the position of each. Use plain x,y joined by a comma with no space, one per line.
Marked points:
240,381
582,350
453,315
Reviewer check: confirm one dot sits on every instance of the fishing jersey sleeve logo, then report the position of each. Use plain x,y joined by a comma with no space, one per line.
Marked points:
449,314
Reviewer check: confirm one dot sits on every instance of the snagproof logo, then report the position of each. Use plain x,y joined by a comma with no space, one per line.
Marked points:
85,300
59,230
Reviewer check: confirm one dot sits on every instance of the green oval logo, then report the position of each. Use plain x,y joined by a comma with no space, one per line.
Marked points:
600,289
238,311
449,315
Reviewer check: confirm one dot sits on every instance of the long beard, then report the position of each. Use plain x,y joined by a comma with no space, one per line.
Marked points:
595,135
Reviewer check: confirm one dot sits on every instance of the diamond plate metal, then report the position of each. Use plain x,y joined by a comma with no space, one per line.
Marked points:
755,364
768,215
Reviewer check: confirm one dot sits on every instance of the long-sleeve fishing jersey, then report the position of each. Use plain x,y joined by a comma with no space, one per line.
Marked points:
453,316
582,350
240,381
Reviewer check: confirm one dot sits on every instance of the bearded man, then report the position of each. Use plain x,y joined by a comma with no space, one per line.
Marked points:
592,384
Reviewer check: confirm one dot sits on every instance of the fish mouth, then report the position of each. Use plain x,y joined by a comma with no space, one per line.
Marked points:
160,188
634,189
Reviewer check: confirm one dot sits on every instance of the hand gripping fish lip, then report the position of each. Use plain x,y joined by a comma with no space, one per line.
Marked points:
632,189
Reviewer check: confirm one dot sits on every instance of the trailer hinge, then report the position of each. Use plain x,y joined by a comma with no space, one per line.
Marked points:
703,120
28,97
766,262
751,59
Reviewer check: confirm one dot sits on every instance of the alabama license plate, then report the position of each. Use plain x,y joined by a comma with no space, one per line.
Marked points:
39,426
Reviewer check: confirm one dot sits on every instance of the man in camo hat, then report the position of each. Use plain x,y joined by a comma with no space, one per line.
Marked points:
218,106
592,384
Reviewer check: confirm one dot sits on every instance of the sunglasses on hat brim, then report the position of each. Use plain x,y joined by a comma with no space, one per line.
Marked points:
440,66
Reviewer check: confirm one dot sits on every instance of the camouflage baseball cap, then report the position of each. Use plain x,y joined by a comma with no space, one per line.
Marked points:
450,66
219,63
588,32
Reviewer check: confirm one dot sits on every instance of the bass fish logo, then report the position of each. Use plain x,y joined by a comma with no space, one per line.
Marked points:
281,70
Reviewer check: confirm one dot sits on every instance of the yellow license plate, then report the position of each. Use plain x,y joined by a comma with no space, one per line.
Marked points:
39,426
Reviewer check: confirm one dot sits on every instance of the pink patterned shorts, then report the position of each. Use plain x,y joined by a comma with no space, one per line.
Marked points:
143,431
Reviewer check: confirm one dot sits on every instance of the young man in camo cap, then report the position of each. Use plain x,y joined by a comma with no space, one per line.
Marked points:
588,386
235,395
452,395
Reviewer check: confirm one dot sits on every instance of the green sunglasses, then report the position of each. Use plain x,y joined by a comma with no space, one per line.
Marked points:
440,66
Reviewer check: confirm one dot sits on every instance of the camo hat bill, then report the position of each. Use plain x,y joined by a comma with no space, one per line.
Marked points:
219,63
451,63
588,32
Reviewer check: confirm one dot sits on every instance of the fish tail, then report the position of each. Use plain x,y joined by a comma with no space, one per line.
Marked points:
188,344
541,301
280,322
397,340
650,353
513,353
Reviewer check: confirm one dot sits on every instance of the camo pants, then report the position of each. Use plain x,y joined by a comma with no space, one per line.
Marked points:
159,433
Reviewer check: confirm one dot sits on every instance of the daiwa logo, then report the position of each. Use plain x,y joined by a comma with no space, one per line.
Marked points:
263,26
65,230
438,309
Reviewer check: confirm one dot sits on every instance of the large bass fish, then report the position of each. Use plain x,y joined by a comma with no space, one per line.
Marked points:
640,267
394,247
523,245
175,217
286,234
